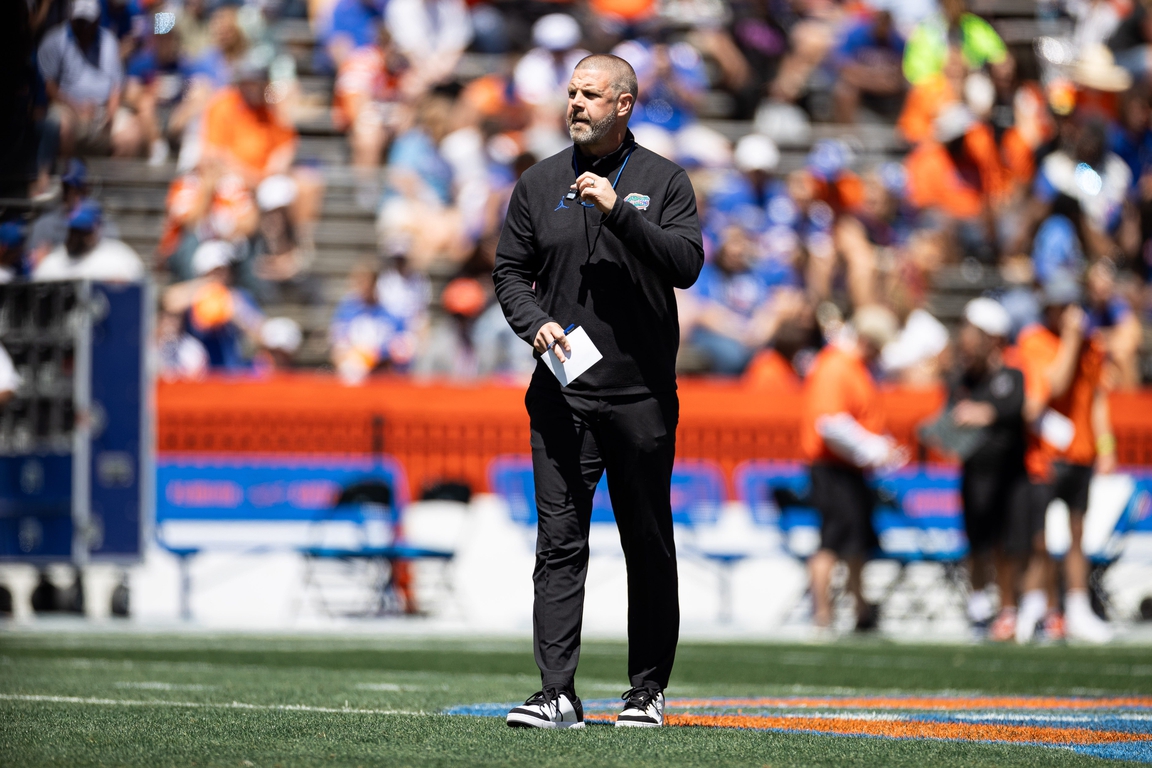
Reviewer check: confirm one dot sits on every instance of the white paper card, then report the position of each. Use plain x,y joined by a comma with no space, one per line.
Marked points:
583,356
1056,429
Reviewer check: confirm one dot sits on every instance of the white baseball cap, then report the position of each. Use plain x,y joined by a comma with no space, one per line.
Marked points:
275,192
556,32
953,122
877,324
211,255
656,139
989,316
756,152
88,10
281,333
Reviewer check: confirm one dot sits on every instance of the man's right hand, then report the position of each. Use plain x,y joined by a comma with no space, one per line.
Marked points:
1072,322
548,333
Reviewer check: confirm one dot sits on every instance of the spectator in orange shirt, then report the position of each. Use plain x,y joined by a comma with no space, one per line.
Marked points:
780,367
243,132
205,204
928,97
841,434
959,174
1074,365
365,99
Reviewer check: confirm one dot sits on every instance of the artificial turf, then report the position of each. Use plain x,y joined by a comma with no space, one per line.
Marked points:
141,700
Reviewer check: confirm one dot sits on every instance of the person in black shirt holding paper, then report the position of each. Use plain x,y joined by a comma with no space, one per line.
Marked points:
597,237
987,396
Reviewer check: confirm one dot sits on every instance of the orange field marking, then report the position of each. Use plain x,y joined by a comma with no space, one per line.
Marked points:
904,729
922,702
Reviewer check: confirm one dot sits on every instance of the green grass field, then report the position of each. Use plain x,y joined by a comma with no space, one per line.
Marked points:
72,699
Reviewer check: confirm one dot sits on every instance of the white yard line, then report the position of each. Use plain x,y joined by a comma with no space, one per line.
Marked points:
158,686
203,705
1074,717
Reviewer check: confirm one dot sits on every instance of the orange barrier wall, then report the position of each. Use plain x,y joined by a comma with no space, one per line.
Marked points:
441,431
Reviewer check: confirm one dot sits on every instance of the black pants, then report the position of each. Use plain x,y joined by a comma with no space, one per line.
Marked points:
1070,484
845,502
574,441
998,504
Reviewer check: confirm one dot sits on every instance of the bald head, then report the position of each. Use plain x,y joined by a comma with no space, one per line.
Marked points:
621,75
601,95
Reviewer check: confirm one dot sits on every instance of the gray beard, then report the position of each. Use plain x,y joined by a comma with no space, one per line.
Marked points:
594,131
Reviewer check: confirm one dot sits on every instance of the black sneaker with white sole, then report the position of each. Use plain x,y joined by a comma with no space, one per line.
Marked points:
643,708
548,709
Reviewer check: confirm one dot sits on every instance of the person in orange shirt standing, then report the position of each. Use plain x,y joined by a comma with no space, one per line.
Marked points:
1026,530
1074,365
842,437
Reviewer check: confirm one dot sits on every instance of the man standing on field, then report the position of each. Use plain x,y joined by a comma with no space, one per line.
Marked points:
596,239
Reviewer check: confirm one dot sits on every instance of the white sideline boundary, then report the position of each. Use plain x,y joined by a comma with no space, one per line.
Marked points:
204,705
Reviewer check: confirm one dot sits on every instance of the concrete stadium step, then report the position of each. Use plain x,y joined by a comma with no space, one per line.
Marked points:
969,277
993,9
345,234
954,285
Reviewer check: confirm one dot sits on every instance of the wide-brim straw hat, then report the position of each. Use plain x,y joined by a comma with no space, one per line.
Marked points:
1097,69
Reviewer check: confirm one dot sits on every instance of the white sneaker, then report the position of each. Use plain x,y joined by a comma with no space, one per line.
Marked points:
548,709
1033,608
980,608
1081,623
643,708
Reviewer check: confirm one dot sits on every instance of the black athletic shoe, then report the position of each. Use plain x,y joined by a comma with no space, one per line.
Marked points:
868,619
643,708
548,709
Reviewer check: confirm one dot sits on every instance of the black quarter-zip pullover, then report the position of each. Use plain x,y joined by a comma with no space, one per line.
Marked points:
559,261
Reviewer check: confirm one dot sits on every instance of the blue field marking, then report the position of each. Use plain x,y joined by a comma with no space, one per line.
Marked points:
1116,728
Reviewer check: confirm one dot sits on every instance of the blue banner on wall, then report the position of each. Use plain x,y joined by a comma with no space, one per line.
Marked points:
264,488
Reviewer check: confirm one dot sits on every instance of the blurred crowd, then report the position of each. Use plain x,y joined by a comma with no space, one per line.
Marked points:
865,150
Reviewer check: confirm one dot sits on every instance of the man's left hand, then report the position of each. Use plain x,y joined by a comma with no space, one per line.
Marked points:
596,189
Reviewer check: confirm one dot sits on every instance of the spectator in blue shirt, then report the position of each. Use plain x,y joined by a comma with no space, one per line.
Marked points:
354,24
672,82
1131,138
867,63
215,313
12,260
364,336
1110,316
122,17
1057,248
740,195
216,63
734,308
155,83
